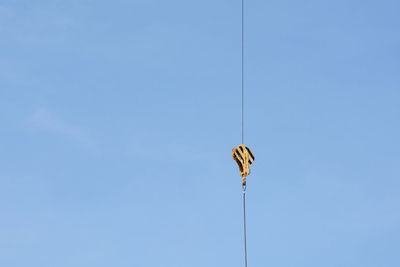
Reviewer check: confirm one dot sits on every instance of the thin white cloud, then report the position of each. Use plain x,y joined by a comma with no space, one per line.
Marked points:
46,121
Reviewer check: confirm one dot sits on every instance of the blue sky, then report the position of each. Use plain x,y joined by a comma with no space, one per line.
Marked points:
118,119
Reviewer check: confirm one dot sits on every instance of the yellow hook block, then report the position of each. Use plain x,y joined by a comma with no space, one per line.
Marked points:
244,157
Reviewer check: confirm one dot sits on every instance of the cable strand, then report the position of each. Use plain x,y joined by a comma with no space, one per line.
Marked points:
242,71
244,228
243,188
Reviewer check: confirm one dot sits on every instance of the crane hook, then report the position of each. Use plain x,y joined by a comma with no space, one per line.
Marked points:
244,158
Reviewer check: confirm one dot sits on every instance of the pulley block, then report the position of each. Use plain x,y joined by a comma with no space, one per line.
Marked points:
244,158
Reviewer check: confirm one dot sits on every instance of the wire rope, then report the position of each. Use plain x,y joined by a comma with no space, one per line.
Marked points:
244,187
